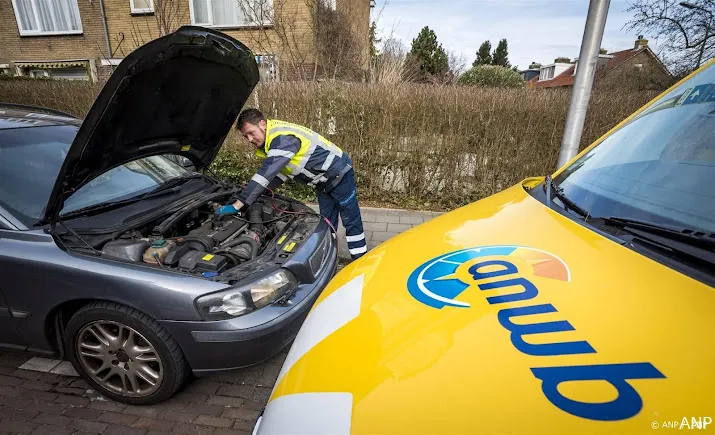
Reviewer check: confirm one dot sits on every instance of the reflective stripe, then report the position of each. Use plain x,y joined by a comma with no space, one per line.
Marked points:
355,238
328,161
280,153
355,251
260,179
282,177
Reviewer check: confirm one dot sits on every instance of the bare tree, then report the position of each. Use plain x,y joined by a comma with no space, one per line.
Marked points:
169,15
685,31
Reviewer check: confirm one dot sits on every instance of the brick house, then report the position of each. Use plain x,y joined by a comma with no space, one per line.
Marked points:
84,39
638,66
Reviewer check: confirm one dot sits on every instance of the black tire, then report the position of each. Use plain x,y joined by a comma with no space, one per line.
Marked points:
175,368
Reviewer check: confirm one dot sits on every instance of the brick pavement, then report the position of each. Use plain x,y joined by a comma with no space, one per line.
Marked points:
33,402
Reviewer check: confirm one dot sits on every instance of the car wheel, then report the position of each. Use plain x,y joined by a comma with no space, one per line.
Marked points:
124,354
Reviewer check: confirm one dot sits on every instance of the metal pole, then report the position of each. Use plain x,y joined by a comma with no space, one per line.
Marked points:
581,93
106,30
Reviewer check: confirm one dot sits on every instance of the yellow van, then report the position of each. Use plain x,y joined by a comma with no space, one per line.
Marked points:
582,302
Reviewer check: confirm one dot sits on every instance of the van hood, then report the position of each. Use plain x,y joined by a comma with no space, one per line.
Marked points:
503,316
178,94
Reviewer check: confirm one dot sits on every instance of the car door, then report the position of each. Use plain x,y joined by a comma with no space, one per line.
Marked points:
9,336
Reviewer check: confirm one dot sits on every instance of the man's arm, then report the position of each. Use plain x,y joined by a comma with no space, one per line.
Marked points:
281,151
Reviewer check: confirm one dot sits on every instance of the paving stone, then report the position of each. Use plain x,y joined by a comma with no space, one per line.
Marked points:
235,391
65,368
10,391
10,381
4,370
116,418
86,413
38,396
411,219
224,431
368,216
214,410
256,406
50,408
203,386
123,430
241,414
188,397
51,430
208,420
246,426
192,429
72,400
36,385
261,394
382,236
375,226
9,413
388,218
88,425
52,420
12,426
154,424
40,364
398,228
178,416
107,405
15,403
27,374
141,411
229,401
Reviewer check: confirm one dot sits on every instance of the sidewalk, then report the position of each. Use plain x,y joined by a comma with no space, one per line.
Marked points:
382,224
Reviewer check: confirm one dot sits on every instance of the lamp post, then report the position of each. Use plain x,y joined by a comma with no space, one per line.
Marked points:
707,28
581,93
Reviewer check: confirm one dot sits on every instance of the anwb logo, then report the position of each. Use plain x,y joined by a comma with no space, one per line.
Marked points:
437,285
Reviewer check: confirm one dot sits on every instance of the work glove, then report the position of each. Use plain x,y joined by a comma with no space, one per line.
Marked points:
226,210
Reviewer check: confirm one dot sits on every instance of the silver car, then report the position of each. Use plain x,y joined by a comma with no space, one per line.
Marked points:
111,254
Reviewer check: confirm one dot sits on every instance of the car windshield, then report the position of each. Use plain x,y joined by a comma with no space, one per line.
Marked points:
30,159
659,167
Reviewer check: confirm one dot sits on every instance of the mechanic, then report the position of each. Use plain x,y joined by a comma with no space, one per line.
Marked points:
296,152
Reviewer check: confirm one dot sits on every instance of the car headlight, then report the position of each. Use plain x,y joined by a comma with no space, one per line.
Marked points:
245,298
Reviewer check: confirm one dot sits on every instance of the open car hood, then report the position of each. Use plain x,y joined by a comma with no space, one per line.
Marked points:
178,94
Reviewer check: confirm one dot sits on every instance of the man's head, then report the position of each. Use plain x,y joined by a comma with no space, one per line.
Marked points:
252,125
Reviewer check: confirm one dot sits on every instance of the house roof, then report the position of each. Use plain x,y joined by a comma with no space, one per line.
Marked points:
567,77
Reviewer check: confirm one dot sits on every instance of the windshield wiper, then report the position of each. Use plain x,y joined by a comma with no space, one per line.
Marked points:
694,243
553,188
165,188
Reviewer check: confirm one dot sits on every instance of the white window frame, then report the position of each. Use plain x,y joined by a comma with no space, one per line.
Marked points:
41,33
225,26
136,10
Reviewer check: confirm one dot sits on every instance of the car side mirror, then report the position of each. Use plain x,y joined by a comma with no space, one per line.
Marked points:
187,163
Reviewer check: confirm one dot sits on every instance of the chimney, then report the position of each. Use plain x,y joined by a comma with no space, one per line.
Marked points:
640,42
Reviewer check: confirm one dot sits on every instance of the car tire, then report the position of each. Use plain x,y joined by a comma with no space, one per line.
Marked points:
128,348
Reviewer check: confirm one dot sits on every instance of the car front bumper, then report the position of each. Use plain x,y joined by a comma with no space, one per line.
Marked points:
211,347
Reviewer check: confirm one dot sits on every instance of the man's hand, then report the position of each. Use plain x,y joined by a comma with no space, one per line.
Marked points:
229,209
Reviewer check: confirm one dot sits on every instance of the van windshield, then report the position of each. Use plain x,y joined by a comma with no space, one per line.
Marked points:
660,167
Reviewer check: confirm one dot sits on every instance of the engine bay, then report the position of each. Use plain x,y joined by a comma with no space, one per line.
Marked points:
194,240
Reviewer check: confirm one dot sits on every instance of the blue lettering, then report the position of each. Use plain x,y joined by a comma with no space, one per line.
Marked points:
508,269
530,291
626,405
546,349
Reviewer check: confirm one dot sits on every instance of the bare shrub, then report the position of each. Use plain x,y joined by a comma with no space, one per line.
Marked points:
414,146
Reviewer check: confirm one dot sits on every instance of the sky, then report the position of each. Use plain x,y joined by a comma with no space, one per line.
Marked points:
536,30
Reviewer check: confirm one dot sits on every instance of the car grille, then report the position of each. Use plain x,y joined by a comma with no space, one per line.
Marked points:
320,256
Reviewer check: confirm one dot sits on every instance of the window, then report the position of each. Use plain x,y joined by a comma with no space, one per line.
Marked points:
330,4
142,6
231,13
47,17
547,73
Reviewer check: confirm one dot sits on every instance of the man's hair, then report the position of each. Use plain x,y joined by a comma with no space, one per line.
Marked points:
252,116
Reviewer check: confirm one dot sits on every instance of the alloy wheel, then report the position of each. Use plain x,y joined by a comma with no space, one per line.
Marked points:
119,358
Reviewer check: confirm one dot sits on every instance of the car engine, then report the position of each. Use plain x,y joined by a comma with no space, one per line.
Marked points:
196,241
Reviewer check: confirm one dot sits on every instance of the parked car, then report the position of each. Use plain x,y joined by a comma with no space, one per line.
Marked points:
111,254
582,302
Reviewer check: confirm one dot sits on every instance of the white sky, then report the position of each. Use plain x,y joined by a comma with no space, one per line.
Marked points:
537,30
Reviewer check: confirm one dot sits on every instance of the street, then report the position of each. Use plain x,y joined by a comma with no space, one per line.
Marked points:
33,402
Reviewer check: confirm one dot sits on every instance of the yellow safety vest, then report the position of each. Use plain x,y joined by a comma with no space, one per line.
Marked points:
309,140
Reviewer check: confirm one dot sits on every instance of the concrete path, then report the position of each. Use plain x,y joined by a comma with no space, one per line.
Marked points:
382,224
